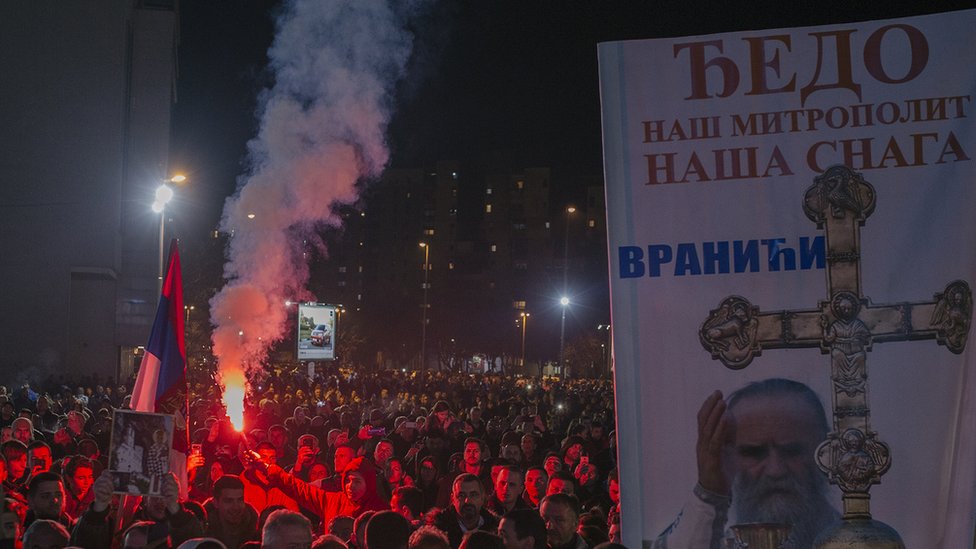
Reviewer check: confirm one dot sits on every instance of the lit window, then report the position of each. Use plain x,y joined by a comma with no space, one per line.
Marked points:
520,184
494,247
429,232
453,175
450,266
342,269
547,224
342,283
360,268
592,223
487,208
488,190
520,305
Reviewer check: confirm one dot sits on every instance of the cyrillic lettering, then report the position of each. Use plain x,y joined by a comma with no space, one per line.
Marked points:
844,72
686,260
630,261
775,251
745,256
653,131
715,257
952,147
758,65
654,170
813,252
657,255
698,65
872,54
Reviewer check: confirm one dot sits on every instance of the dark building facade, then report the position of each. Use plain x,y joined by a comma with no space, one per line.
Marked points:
86,89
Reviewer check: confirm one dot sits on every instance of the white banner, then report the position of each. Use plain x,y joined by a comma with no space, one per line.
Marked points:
719,245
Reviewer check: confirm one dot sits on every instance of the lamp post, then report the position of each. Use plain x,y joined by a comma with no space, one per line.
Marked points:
163,195
564,301
423,328
525,320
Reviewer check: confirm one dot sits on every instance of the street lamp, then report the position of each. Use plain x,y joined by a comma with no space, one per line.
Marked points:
188,309
423,329
525,320
163,195
564,301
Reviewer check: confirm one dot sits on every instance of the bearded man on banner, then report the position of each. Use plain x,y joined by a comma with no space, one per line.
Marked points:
756,459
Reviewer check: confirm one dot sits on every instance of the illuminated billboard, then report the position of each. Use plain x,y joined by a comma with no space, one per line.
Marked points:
316,331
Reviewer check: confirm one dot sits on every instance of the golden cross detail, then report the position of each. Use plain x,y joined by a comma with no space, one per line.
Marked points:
845,326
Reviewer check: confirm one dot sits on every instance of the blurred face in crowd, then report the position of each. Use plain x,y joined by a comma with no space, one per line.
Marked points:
343,455
472,454
39,458
155,508
613,488
17,465
76,422
268,455
9,525
22,430
553,465
573,453
528,445
355,486
278,437
560,486
394,471
508,486
427,471
382,453
442,416
83,479
48,501
512,453
560,523
7,410
230,505
506,531
7,433
317,471
467,499
536,481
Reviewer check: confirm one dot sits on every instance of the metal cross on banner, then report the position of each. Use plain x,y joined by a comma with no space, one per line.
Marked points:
845,326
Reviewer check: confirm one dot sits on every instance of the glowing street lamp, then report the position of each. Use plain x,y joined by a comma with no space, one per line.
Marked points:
525,320
564,302
164,193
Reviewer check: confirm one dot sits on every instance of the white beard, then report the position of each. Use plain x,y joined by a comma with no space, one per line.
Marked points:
799,502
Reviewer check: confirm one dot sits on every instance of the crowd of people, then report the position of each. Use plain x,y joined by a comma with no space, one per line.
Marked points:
368,460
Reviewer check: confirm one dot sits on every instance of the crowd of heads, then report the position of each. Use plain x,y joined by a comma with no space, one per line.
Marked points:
396,460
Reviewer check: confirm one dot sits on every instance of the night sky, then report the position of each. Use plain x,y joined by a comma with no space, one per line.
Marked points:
514,76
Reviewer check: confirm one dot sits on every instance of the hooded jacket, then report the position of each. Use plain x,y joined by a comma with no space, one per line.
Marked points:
328,505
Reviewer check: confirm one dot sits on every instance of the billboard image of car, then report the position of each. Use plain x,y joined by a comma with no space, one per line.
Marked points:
316,331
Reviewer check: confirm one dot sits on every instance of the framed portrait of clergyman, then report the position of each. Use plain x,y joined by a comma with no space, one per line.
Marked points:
139,451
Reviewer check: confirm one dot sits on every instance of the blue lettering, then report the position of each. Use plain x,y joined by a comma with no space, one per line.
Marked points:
715,256
687,261
745,256
631,261
812,252
657,255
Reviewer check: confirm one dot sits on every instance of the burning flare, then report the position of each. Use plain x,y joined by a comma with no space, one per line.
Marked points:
235,385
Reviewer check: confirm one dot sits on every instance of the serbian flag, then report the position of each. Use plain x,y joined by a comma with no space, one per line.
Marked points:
161,383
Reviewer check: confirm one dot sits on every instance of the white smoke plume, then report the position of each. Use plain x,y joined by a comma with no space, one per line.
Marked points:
322,128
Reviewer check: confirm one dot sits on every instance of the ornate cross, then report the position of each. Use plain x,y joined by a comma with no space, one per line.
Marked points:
845,325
